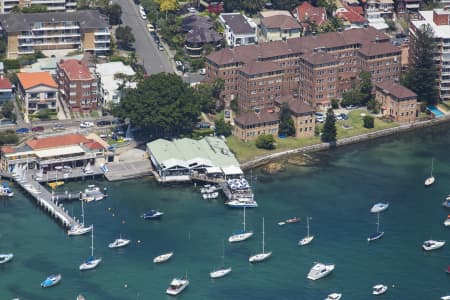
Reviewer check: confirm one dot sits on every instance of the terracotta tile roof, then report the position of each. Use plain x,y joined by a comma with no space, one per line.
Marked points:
352,14
306,11
94,145
29,80
5,84
280,21
253,118
259,67
395,89
57,141
296,106
7,149
75,69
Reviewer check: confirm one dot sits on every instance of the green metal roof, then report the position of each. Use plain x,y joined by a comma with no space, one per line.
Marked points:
209,150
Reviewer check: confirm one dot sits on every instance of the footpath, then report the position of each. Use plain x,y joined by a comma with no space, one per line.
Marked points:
261,160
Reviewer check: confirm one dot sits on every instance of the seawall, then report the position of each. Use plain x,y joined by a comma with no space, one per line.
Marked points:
261,160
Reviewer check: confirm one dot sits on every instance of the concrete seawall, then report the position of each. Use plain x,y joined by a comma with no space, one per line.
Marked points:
258,161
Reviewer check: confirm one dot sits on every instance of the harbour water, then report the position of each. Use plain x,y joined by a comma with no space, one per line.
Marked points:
337,191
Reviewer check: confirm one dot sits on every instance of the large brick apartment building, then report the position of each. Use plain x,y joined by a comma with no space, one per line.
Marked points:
316,68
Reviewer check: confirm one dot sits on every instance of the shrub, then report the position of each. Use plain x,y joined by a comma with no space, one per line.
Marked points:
265,141
369,121
334,103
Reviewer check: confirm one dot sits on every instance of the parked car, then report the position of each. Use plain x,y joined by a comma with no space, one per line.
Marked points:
350,107
86,124
227,114
344,116
338,117
203,125
192,10
58,127
22,130
160,47
38,129
320,119
202,71
150,27
104,123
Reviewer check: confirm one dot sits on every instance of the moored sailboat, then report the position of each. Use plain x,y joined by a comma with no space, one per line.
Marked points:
378,234
308,238
242,235
91,262
263,255
430,180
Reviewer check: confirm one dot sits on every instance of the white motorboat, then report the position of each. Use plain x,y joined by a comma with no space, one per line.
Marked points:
118,243
241,235
241,203
212,195
263,255
220,273
432,245
430,180
334,296
177,286
91,262
447,221
4,258
379,289
320,270
445,297
207,189
92,188
308,238
379,207
79,229
163,258
5,190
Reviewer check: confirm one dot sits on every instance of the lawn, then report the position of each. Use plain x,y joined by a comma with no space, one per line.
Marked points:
245,151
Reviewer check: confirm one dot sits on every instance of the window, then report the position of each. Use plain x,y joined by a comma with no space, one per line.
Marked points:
34,95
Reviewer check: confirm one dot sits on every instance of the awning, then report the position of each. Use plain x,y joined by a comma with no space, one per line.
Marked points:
232,170
212,170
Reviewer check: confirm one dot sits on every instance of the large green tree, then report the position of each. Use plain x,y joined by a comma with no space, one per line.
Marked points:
250,7
285,4
329,128
222,128
125,37
365,86
206,100
162,105
265,141
286,122
423,73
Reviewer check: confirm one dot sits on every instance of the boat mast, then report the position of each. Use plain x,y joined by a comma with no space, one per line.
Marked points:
82,212
432,164
307,226
263,237
378,222
92,242
244,218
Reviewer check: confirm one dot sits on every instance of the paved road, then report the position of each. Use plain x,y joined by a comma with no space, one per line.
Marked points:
154,60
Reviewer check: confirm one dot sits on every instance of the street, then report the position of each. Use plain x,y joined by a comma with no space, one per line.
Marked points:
154,60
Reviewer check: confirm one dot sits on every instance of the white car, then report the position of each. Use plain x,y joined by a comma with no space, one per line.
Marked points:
86,124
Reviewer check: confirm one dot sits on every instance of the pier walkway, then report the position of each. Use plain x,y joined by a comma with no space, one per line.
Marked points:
45,199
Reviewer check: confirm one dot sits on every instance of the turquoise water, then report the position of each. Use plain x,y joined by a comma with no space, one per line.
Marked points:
435,111
337,192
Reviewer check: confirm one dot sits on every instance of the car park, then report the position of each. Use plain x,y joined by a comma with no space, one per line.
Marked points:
38,129
22,130
86,124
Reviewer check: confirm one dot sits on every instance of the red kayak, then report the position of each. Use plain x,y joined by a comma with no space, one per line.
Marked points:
448,270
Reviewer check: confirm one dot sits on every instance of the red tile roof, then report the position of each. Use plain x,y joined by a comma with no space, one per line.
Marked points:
29,80
57,141
93,145
75,69
5,84
352,14
7,149
306,11
280,21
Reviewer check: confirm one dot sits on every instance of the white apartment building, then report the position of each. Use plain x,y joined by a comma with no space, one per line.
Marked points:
239,29
52,5
85,30
439,20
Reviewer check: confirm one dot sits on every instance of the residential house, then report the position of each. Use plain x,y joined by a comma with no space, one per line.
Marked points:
352,14
48,64
377,11
52,5
318,68
78,88
239,29
439,20
302,114
397,102
85,30
408,6
249,125
47,152
199,32
111,83
282,26
37,91
5,90
310,17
